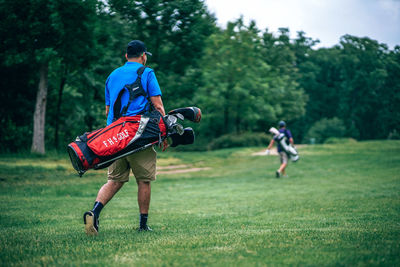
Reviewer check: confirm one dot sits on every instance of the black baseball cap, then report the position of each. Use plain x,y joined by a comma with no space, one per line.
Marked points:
136,48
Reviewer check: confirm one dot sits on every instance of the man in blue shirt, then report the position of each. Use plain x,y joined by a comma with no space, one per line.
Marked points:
282,154
143,163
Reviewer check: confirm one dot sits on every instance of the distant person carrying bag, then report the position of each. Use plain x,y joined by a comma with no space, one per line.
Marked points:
284,140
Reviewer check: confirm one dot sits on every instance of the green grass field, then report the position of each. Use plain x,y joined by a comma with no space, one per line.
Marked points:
340,206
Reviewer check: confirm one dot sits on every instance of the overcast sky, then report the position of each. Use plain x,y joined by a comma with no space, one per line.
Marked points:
326,20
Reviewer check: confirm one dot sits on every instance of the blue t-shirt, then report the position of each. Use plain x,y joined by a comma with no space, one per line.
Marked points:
288,135
127,74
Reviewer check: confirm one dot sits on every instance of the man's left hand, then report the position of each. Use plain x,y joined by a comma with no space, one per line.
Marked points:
165,145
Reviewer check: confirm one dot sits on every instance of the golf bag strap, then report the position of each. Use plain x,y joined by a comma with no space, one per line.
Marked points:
135,90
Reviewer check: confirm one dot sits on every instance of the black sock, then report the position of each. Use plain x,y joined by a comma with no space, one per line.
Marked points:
97,207
143,220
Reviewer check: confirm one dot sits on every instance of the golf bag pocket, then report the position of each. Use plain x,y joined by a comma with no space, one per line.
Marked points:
98,149
116,136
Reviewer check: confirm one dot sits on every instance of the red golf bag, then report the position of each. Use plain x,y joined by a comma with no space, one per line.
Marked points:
100,148
128,135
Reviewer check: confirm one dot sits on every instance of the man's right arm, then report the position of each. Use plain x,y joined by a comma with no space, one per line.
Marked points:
107,110
154,92
158,105
271,144
107,97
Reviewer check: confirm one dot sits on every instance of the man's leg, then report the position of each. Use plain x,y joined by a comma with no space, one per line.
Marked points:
282,168
144,194
118,174
143,166
107,191
284,161
105,194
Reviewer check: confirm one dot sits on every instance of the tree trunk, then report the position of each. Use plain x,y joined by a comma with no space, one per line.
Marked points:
40,111
238,119
227,95
59,102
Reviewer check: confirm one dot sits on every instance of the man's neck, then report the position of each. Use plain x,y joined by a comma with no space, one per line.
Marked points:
137,60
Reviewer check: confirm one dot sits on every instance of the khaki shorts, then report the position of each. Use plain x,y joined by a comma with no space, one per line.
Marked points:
143,165
284,157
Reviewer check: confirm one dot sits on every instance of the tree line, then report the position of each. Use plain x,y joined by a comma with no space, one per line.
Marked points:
56,55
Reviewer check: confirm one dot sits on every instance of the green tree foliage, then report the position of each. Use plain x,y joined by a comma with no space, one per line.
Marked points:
356,82
324,129
175,32
242,91
40,32
362,91
319,75
245,80
82,32
389,117
231,87
284,56
82,106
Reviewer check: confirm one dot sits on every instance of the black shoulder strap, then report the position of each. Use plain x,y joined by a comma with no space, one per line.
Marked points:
134,89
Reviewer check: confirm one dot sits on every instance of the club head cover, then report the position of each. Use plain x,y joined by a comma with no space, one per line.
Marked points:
274,131
186,138
190,113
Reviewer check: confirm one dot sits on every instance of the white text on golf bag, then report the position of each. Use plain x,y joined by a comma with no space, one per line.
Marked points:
115,139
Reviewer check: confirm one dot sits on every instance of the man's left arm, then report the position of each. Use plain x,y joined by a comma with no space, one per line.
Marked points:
289,133
154,92
158,104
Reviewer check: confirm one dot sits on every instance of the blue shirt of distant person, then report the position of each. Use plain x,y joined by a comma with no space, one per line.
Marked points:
288,135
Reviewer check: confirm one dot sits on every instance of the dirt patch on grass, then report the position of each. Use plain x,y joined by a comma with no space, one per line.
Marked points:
179,169
172,167
274,151
262,153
